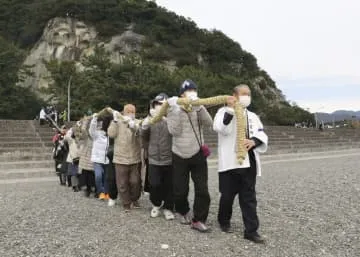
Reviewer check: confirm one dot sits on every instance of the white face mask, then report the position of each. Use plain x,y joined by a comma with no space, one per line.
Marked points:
152,112
191,95
131,116
245,100
157,108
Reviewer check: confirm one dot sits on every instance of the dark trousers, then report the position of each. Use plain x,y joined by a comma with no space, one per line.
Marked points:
161,186
197,167
239,182
89,179
146,182
111,180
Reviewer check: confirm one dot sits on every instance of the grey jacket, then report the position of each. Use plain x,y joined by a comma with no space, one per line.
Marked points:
159,147
184,142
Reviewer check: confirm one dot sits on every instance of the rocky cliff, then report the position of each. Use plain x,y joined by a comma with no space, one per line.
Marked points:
68,39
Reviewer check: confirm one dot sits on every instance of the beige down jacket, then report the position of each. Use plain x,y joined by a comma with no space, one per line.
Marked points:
73,147
127,148
86,144
185,144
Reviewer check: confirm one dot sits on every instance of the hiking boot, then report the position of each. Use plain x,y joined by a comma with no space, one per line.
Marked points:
107,196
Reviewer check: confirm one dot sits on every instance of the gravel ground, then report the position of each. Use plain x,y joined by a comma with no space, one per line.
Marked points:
306,208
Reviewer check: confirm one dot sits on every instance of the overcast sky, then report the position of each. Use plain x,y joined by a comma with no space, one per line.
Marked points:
311,48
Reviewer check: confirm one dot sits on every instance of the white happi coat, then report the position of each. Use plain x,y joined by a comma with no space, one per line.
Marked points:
227,140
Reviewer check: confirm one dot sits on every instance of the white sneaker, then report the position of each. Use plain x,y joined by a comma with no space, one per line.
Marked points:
169,215
155,212
111,202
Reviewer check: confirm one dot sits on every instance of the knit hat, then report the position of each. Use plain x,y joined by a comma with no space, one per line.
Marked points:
186,85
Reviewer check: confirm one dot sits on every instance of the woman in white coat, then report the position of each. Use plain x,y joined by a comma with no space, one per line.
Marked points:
98,133
236,179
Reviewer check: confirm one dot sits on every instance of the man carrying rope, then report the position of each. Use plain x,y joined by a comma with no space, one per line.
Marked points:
189,157
235,178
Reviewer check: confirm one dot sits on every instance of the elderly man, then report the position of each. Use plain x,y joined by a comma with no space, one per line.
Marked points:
127,155
189,157
236,179
160,161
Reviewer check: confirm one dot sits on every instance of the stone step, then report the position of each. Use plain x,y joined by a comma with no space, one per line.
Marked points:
19,139
27,164
27,173
26,156
10,150
302,150
212,161
25,144
17,134
314,145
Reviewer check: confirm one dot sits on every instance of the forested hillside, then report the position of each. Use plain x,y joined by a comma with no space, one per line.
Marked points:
210,58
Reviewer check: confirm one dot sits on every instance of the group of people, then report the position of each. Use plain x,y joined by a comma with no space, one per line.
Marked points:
50,115
107,152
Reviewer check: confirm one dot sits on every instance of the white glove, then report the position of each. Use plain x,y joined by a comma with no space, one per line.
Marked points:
126,118
94,115
172,101
145,124
116,115
131,124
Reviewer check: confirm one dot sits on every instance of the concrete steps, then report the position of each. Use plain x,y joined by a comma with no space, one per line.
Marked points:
26,164
14,149
20,144
26,156
26,148
27,173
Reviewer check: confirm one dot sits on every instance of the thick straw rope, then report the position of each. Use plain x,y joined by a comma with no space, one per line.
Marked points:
187,104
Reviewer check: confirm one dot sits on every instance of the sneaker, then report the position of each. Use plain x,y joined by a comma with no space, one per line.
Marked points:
186,219
102,196
199,226
107,196
155,212
169,215
111,202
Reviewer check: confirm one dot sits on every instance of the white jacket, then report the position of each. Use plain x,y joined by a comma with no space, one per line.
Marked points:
227,140
100,143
